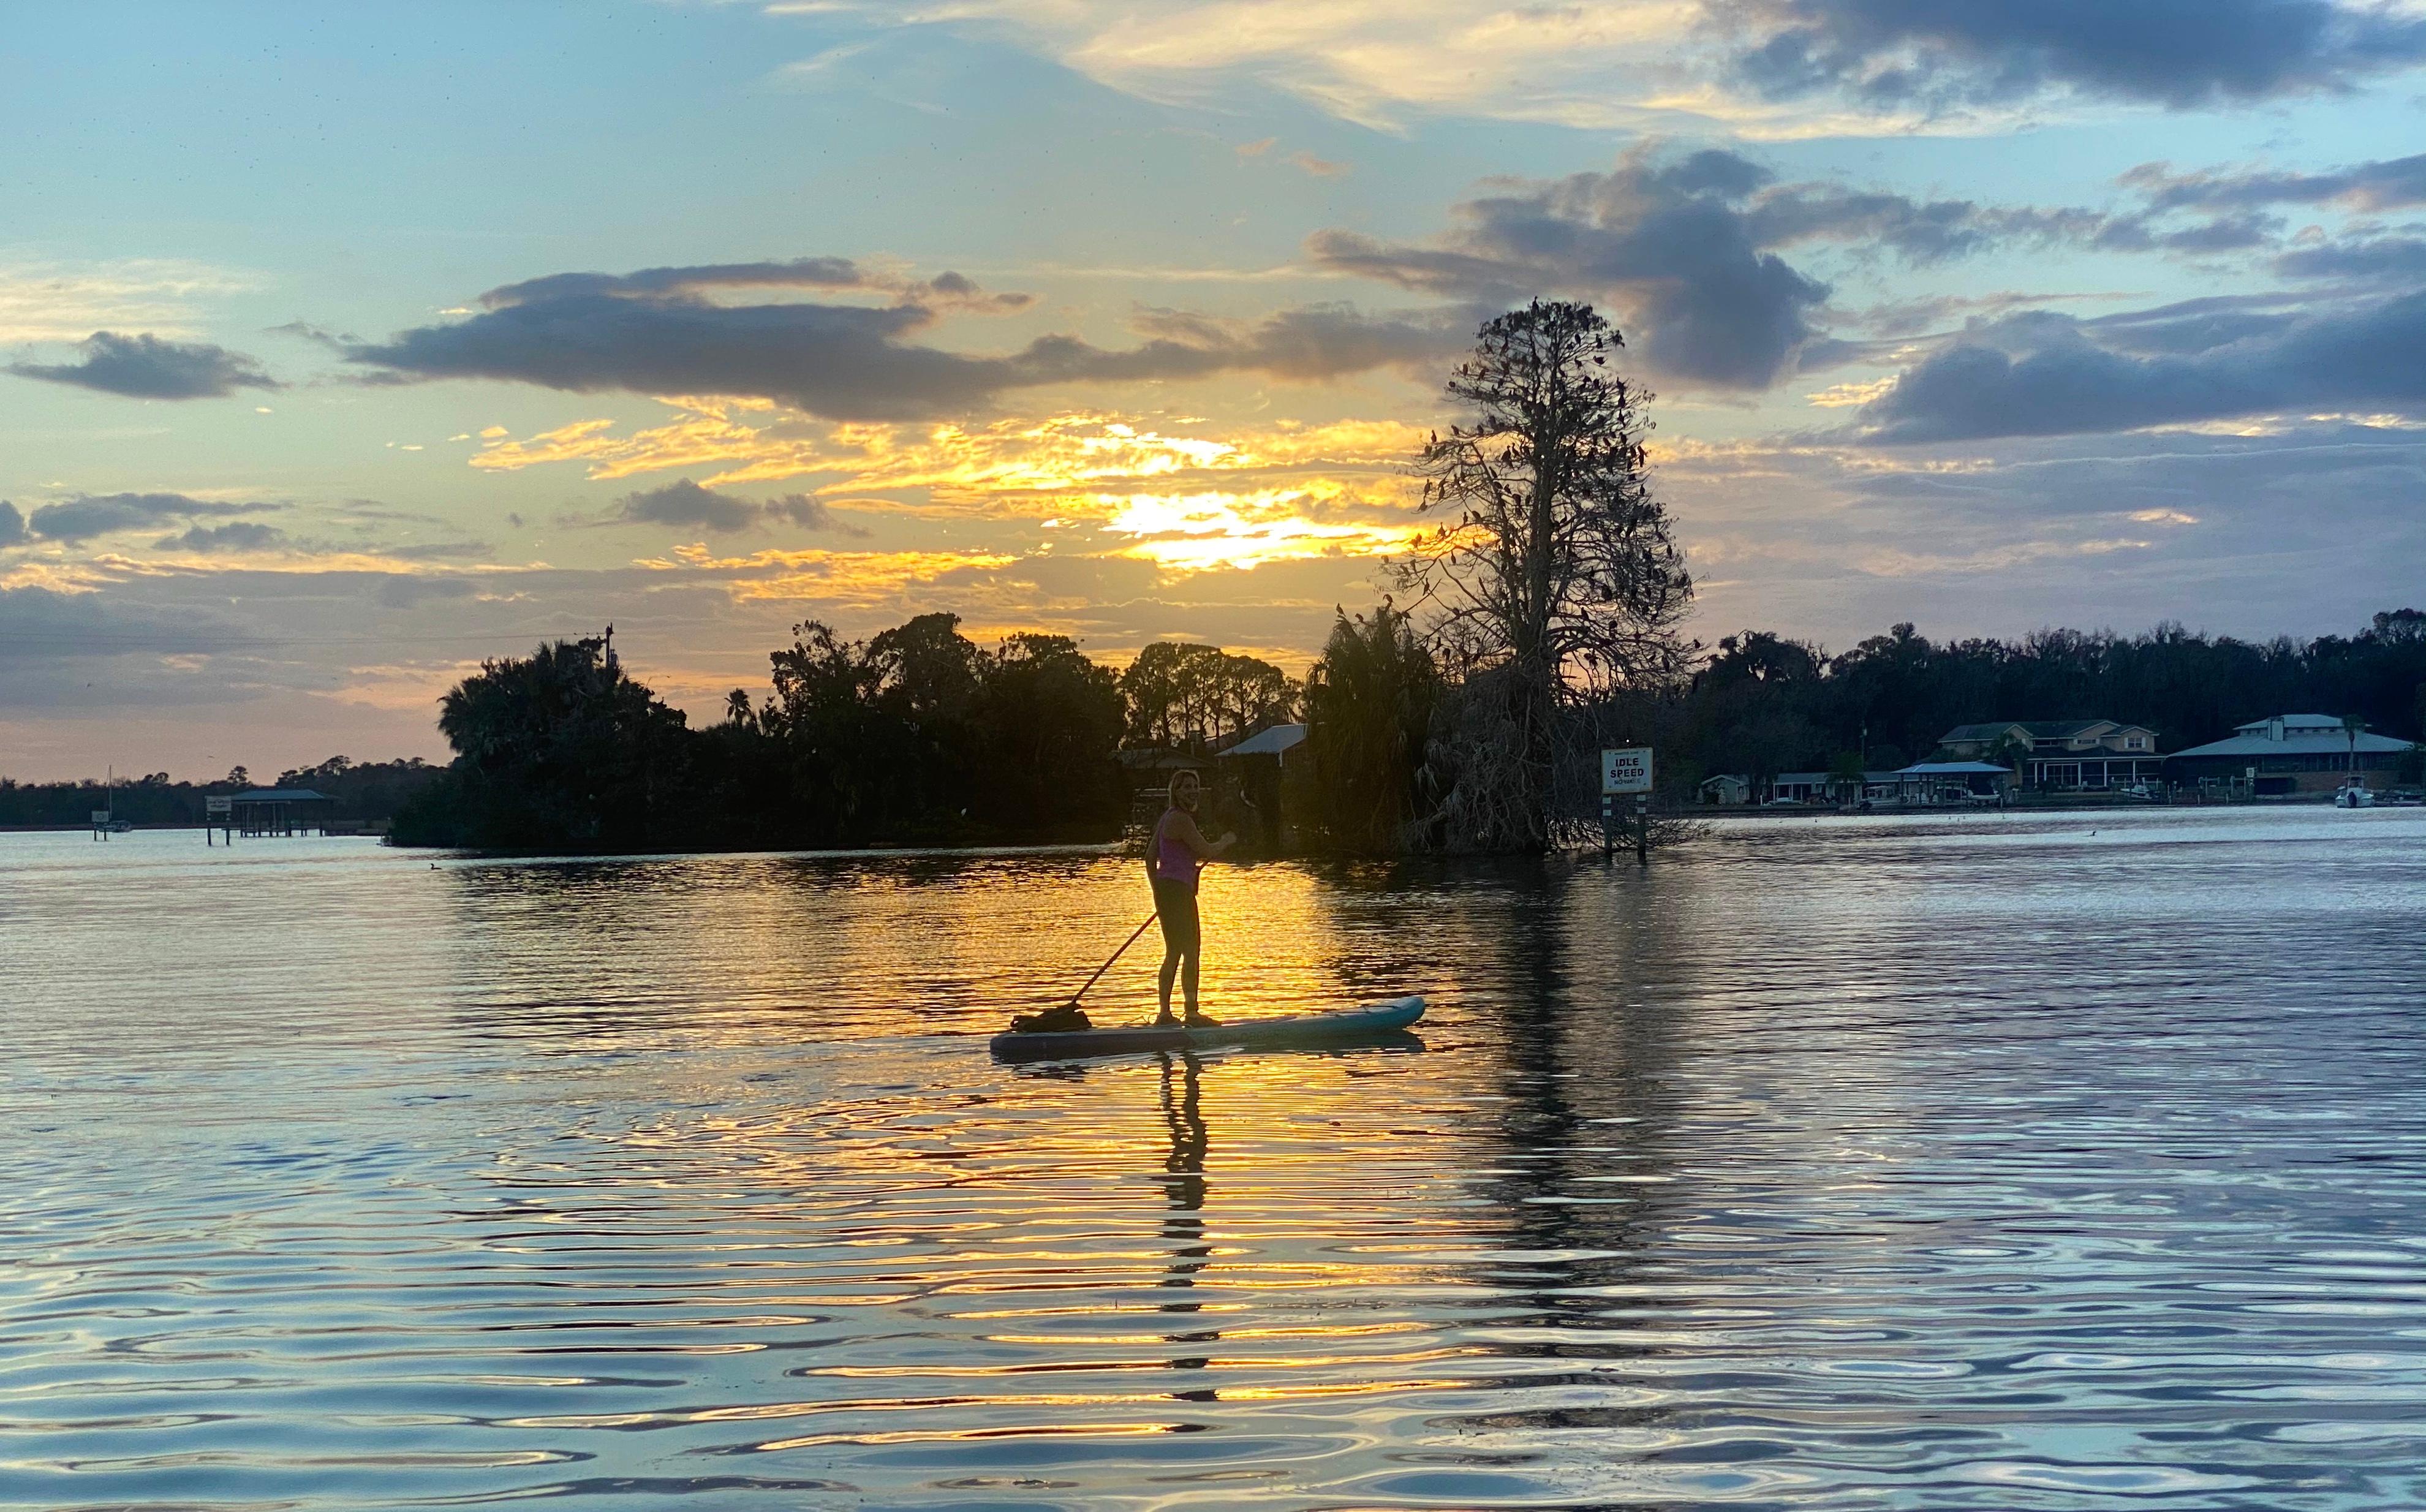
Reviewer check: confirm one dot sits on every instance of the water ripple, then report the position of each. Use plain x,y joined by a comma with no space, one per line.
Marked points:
1980,1163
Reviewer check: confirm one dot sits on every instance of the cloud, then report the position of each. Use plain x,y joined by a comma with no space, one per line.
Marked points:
2388,185
651,333
238,535
685,504
947,289
407,593
1943,55
2050,375
2396,258
436,551
67,302
87,516
810,513
1687,249
688,506
13,525
1313,167
144,366
1582,62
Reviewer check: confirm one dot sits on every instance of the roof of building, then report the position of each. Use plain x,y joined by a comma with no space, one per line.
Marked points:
1822,778
1280,738
2296,722
2057,729
2335,743
1954,769
1965,734
283,795
2037,729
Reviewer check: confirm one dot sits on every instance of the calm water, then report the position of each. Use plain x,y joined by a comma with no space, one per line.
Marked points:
1986,1164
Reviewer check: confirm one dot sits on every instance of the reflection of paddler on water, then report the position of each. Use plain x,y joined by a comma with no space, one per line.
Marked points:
1183,1181
1175,855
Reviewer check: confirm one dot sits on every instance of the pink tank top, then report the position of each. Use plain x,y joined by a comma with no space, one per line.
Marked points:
1169,860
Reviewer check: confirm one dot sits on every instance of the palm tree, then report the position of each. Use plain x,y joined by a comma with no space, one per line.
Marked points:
2351,727
1845,776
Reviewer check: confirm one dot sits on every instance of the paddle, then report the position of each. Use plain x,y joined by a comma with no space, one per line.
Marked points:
1108,965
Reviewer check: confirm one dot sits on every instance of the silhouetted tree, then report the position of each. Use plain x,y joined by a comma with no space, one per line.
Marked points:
1557,578
1369,706
1049,720
1182,694
556,750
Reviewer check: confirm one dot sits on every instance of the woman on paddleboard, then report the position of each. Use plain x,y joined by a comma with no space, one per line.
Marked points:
1172,859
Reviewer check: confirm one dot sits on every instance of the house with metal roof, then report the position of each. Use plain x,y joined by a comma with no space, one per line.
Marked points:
2063,756
2290,754
1277,741
1953,781
1827,787
1928,782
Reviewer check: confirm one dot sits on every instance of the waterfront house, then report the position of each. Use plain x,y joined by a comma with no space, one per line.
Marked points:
2290,754
1931,783
1827,788
2065,756
1726,788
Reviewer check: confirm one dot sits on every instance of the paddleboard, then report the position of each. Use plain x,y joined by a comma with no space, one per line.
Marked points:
1298,1029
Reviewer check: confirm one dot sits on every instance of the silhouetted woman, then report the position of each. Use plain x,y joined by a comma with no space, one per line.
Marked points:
1172,859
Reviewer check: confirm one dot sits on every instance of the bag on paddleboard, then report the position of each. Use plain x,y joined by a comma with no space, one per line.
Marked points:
1065,1018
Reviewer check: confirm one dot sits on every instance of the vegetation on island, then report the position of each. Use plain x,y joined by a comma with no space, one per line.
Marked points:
917,735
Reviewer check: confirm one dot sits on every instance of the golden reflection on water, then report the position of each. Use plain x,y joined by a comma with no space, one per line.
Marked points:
1969,1165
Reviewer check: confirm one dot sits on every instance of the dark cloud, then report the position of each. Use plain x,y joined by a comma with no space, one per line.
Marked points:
948,288
146,368
687,506
65,651
437,550
2389,185
238,535
2401,258
2204,476
650,333
1689,252
1936,54
809,512
13,525
405,593
2049,375
90,515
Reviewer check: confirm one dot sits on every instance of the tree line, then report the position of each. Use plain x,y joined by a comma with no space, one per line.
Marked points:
1762,704
357,789
916,735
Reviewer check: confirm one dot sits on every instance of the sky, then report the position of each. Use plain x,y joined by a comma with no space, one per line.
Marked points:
344,346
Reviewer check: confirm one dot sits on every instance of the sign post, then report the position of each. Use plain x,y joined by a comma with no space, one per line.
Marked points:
218,808
1623,772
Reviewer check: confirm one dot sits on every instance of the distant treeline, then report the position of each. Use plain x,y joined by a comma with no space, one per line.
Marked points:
362,791
1762,704
917,735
